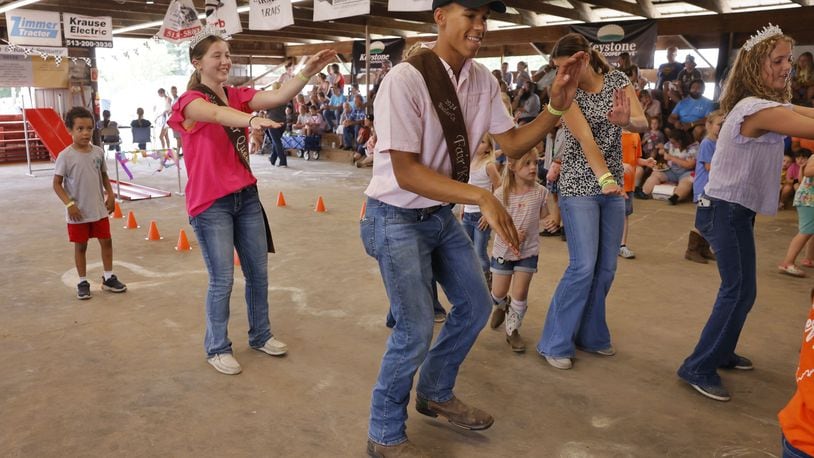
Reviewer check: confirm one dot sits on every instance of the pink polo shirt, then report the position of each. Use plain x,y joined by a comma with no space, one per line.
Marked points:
213,167
406,121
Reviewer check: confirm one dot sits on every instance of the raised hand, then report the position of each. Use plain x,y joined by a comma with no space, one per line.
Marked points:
620,112
318,61
565,83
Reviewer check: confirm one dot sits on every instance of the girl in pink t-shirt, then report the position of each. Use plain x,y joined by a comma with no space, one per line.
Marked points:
221,193
524,200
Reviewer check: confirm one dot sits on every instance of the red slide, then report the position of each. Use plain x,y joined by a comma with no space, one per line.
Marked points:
50,129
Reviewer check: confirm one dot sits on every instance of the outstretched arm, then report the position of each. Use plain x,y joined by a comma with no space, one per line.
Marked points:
264,100
199,110
517,142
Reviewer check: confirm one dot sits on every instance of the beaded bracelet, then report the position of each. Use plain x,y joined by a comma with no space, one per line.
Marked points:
555,111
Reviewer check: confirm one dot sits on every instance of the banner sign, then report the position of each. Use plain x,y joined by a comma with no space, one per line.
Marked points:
381,51
17,69
181,22
326,10
30,27
409,5
270,14
88,31
225,18
638,38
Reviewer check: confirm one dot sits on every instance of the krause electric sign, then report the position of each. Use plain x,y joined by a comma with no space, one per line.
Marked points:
30,27
88,32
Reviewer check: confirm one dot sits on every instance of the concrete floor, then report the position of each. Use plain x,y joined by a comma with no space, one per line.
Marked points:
125,375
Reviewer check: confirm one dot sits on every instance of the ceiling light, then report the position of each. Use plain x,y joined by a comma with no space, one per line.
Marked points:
15,5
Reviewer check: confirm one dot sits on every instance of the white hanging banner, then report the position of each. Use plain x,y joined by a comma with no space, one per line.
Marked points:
326,10
181,22
225,18
409,5
88,31
31,27
270,14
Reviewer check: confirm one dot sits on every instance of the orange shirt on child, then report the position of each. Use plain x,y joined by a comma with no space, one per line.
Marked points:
797,418
631,152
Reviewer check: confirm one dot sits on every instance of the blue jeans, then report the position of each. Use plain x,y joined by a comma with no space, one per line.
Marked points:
277,151
234,221
729,229
576,316
789,451
330,118
413,247
480,239
349,136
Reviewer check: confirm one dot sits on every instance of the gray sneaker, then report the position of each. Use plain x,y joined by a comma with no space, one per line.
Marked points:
83,290
716,392
113,284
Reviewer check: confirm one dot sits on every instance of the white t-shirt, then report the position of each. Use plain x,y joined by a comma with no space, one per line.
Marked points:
406,121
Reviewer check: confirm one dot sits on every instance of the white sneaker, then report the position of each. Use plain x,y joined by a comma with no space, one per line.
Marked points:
273,347
225,363
559,363
626,252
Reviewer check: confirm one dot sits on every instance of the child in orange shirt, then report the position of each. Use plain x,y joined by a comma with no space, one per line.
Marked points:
631,159
797,418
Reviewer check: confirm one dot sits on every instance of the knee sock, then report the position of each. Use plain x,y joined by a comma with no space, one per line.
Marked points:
514,317
500,303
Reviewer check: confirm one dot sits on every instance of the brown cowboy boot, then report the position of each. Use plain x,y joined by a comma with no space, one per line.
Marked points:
499,314
403,450
456,412
694,245
705,251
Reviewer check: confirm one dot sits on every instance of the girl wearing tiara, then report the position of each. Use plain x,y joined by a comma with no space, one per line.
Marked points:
221,193
743,182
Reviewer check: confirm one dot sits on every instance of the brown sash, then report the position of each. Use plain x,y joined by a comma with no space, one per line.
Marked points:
447,107
237,136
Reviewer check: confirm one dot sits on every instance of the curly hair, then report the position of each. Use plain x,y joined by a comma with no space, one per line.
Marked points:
746,80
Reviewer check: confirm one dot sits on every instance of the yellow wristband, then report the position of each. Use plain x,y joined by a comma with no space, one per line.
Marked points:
555,111
608,182
606,175
303,78
70,204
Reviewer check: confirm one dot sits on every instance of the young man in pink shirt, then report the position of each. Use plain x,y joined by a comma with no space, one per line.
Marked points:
410,230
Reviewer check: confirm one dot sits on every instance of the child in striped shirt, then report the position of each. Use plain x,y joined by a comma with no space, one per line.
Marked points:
525,201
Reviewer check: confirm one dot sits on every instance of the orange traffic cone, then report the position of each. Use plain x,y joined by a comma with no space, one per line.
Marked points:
117,211
364,209
183,242
280,199
131,221
152,233
320,205
237,258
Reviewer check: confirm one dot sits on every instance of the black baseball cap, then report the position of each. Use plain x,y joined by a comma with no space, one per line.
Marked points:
495,5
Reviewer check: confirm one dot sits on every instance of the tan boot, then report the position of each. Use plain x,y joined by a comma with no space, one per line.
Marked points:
694,245
516,342
456,412
403,450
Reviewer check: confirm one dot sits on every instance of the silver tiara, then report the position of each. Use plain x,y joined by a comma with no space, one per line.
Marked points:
762,34
207,30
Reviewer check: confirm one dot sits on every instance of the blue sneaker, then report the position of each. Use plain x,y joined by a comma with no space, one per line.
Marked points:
740,363
716,392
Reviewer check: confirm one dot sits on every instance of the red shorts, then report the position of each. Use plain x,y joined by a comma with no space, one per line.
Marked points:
81,232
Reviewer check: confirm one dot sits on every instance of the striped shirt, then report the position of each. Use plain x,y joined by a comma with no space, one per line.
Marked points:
744,170
526,209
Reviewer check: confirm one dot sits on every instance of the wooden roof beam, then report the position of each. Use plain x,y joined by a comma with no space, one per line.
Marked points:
719,6
619,5
648,9
583,10
539,7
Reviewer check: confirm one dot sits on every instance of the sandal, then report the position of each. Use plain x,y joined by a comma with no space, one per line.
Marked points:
807,263
792,270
